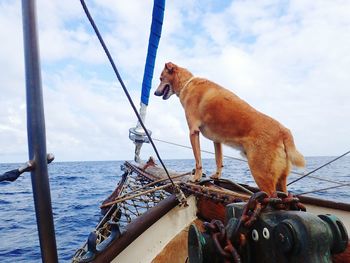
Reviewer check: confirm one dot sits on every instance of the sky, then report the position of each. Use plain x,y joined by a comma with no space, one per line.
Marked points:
288,59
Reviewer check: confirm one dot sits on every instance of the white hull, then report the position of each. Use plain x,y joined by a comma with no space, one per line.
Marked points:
151,243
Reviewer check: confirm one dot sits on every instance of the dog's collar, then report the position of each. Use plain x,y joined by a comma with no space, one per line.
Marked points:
188,82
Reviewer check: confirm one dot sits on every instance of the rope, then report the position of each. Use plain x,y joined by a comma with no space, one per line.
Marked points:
127,93
127,197
318,168
121,198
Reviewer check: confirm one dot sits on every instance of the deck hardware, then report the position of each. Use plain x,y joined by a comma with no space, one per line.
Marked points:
340,235
289,233
255,235
285,236
266,233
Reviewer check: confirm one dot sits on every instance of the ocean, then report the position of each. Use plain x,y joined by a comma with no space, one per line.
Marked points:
78,188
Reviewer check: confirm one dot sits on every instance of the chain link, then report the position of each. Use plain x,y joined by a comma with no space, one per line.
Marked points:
222,242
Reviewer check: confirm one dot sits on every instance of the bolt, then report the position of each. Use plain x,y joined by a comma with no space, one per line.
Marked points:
281,237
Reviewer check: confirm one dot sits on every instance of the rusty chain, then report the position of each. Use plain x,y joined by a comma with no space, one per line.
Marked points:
200,191
222,242
251,212
257,203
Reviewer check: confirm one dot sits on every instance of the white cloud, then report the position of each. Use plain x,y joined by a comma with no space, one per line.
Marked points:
289,59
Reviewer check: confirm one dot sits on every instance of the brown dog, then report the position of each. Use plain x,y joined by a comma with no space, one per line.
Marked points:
223,117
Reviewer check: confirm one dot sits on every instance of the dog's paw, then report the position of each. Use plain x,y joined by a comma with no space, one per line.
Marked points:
215,176
196,177
193,179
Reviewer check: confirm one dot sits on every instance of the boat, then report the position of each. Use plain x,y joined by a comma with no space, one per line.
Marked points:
157,215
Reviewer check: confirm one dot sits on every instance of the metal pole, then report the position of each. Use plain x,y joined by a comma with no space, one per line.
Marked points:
36,135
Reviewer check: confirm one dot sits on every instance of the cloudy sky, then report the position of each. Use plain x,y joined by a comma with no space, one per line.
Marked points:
288,59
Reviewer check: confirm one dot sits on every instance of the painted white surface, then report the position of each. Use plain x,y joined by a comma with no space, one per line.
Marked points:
150,243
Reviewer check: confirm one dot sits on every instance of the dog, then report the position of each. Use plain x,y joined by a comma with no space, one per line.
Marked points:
224,118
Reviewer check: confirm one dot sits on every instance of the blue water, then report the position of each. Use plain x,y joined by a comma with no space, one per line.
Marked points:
78,188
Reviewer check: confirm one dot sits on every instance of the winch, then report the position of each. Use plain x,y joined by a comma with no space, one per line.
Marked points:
257,231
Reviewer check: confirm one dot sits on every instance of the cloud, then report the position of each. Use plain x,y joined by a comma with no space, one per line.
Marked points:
289,59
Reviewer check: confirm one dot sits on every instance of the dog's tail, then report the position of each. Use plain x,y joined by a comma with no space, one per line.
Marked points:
295,157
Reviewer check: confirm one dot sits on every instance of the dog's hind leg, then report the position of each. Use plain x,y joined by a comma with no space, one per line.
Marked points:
264,181
194,138
282,183
218,159
282,180
263,174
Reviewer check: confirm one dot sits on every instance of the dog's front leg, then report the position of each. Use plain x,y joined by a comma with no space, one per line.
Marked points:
194,138
218,159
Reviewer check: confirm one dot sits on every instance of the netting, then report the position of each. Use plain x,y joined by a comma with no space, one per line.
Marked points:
137,194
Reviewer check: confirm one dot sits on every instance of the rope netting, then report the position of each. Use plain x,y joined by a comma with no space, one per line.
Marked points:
137,197
137,194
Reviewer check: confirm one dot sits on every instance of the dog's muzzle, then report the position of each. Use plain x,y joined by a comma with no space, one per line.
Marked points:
164,90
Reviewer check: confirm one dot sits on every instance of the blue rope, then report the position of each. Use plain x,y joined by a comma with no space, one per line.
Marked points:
156,31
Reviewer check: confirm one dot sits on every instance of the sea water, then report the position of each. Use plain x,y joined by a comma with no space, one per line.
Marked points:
78,188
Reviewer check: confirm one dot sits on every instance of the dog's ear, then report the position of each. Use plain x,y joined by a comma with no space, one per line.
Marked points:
170,67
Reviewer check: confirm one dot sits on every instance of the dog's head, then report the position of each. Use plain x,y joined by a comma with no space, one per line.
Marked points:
167,79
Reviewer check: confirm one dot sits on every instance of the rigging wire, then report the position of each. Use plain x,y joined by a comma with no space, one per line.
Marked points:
243,160
124,88
324,189
204,151
318,168
326,180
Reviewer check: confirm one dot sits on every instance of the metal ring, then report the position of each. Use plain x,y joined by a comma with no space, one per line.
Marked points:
266,233
255,235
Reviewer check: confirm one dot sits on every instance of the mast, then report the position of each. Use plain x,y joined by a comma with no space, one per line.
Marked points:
36,135
137,134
